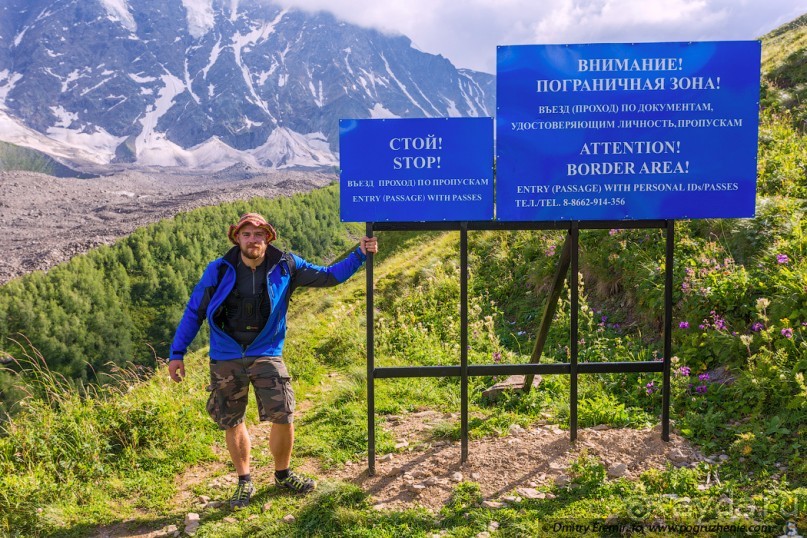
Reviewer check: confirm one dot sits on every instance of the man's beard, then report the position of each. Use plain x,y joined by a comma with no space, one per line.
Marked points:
254,255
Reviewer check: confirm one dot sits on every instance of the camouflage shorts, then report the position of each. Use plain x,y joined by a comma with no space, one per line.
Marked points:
229,390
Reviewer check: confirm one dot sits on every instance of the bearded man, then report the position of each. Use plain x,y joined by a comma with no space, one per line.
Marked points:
244,296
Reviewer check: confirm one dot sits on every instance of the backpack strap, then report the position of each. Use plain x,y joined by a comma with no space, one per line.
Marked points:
209,291
292,264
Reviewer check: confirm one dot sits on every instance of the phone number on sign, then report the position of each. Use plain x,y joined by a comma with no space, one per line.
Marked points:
586,202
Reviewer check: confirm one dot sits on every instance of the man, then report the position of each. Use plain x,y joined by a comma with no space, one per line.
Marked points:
244,297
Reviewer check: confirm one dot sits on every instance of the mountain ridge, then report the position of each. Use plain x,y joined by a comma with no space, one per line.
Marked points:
125,83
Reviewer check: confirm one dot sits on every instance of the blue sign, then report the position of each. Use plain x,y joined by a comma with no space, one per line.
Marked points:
412,170
627,131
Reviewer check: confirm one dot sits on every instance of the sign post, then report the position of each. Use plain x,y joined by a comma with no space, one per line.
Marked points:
588,137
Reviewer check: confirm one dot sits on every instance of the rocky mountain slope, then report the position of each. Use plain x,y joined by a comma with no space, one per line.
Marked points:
207,83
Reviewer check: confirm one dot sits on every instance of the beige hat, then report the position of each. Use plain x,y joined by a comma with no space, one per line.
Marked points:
256,220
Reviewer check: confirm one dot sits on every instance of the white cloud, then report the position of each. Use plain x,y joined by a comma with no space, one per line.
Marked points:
467,32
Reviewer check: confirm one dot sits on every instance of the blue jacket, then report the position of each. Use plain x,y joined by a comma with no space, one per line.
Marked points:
207,297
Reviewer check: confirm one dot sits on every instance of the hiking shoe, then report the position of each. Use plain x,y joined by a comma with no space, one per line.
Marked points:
296,483
242,494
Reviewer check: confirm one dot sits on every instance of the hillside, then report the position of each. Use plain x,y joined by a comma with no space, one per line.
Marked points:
784,68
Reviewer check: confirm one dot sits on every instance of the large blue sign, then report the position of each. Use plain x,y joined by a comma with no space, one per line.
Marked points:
627,131
410,170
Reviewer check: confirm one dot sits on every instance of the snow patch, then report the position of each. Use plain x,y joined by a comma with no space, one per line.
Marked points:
100,143
141,80
200,16
152,146
7,82
64,118
118,11
233,10
18,37
453,111
287,149
317,92
214,56
379,112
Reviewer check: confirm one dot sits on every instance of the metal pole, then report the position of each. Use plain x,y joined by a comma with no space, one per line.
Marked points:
370,362
575,236
549,310
668,313
464,339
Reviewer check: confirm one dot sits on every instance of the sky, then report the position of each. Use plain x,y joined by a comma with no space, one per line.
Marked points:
468,31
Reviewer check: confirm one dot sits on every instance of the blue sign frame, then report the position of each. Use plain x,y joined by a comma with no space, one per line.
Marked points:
627,131
416,170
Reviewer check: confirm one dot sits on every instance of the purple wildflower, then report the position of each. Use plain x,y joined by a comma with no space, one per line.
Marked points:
604,319
704,377
683,325
683,371
701,389
650,388
550,251
497,357
787,332
756,327
782,259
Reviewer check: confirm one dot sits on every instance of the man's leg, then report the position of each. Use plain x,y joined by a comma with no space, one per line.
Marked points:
239,445
281,442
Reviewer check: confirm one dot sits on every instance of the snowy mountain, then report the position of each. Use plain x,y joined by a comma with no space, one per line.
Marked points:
208,83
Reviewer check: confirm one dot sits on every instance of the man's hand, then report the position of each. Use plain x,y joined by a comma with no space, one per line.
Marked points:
176,370
368,244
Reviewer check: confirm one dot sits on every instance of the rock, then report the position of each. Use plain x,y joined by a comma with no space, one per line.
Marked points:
677,455
267,507
516,429
379,507
618,470
418,488
230,520
492,504
204,499
169,530
511,499
191,523
514,383
431,481
562,480
531,493
475,476
385,458
288,518
253,516
402,445
483,534
457,477
723,457
601,427
493,526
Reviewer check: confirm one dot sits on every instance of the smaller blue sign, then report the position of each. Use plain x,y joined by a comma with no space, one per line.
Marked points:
416,170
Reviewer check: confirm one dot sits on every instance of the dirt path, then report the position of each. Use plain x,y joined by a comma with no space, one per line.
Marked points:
425,472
